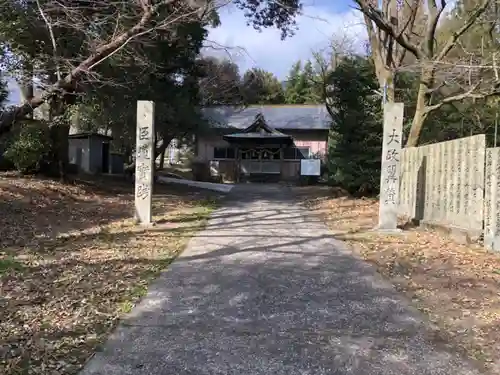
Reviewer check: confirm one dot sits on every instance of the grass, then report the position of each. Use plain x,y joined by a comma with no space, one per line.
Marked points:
73,262
9,264
456,286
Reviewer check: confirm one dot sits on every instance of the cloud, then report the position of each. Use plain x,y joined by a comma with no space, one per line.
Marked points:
251,48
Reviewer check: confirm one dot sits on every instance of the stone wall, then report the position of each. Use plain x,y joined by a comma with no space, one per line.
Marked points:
492,200
443,183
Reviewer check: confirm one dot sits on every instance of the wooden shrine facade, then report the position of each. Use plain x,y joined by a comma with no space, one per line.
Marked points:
261,151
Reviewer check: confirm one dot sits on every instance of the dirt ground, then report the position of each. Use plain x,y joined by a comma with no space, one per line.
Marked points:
72,262
456,286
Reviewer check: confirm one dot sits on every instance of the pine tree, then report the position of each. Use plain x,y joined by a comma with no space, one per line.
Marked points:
302,85
312,92
356,130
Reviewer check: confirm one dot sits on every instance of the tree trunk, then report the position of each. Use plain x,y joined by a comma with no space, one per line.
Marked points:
386,80
416,127
423,100
59,132
158,151
162,159
26,83
390,92
60,147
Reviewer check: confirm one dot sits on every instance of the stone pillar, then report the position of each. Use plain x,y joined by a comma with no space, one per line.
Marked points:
391,165
144,161
492,203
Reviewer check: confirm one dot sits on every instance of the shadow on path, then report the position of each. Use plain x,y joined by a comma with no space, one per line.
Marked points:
265,289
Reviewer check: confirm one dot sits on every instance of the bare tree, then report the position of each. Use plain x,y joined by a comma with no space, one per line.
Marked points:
327,59
105,30
397,29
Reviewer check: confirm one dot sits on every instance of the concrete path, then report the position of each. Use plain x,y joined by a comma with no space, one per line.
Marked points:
265,289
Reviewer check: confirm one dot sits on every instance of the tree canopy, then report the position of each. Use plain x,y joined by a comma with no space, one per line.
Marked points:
71,45
454,57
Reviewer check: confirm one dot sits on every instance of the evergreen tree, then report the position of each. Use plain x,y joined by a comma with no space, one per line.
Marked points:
356,130
302,86
312,94
261,87
295,85
220,82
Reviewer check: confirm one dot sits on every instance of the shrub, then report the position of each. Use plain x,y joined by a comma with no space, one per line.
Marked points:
29,147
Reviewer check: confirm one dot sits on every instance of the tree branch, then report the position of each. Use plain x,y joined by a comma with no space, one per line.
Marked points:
52,39
467,25
69,82
434,14
378,18
466,95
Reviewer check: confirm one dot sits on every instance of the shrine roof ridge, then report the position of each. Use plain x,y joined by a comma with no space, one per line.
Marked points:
284,117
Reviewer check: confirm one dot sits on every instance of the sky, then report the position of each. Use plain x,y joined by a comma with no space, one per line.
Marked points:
321,21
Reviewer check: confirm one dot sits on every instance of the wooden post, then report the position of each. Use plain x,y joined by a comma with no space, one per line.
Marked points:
237,166
282,162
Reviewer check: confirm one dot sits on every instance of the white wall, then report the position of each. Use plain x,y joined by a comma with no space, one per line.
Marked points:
206,147
83,144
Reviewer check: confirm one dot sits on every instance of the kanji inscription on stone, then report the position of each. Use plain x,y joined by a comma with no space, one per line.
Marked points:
391,165
144,161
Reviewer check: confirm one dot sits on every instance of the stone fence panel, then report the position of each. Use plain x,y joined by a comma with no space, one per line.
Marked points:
492,200
443,183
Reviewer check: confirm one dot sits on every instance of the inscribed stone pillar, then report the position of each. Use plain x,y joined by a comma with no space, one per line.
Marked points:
492,200
144,161
391,165
403,184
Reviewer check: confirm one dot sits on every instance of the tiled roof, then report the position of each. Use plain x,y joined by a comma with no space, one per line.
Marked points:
284,117
257,135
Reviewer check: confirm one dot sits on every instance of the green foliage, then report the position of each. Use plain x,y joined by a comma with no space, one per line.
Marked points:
29,147
264,13
302,85
261,87
172,83
219,82
356,130
312,94
294,85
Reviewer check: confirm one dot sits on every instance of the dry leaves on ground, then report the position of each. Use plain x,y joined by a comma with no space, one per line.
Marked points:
72,262
457,286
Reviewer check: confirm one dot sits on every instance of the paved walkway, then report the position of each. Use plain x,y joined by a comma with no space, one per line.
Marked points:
265,289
